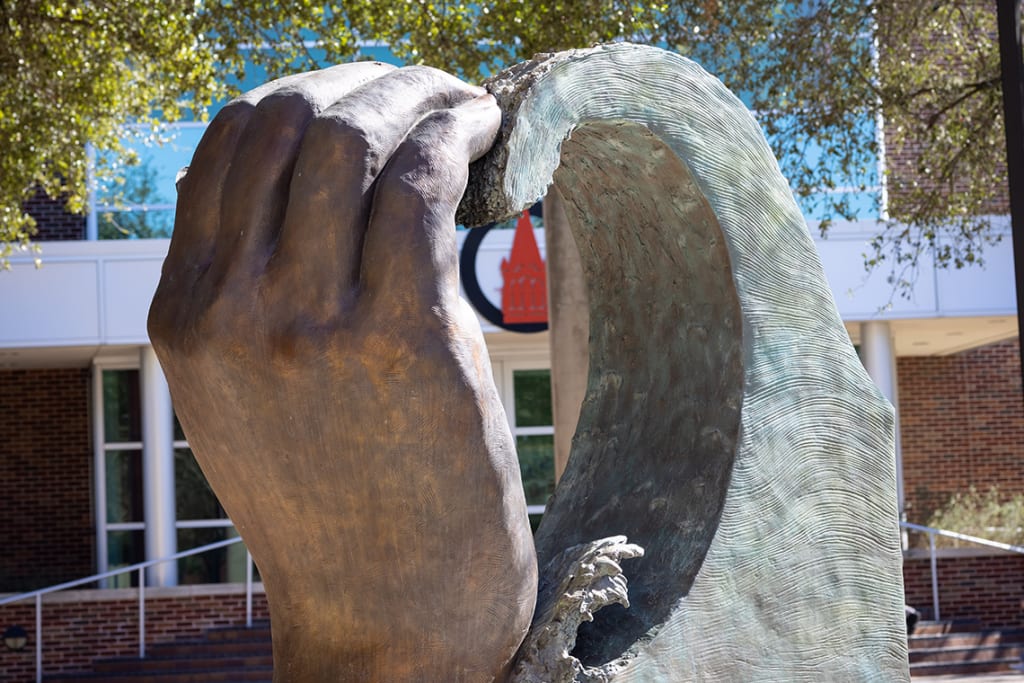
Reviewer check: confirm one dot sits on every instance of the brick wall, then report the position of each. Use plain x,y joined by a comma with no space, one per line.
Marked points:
82,626
988,588
45,478
902,37
903,165
962,424
53,222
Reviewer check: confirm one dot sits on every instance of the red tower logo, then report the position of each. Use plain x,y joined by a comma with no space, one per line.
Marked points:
524,297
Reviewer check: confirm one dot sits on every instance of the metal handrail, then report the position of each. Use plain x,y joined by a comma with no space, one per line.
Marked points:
141,569
932,533
142,566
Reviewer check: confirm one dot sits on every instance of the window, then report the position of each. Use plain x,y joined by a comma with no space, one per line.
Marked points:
525,390
143,205
200,517
123,516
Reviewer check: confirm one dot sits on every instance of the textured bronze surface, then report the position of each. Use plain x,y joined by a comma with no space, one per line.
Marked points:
338,395
666,381
728,428
334,388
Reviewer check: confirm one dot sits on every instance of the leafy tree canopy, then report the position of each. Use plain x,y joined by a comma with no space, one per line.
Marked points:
75,72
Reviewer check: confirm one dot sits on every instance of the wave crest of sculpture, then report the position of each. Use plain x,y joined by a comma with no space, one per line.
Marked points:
728,428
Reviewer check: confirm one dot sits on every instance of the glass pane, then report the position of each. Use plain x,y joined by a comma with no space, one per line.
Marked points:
159,156
125,548
131,225
179,433
194,499
122,413
537,467
223,565
124,486
533,397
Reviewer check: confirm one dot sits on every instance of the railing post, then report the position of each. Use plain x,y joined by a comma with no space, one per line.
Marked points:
248,589
140,568
142,612
935,577
39,638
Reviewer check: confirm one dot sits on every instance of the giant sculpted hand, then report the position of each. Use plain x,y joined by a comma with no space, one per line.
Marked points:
334,387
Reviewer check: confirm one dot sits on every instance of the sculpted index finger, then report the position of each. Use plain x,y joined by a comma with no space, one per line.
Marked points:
410,257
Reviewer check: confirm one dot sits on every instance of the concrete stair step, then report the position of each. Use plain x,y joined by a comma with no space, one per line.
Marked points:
200,648
964,668
926,628
258,631
221,655
970,639
962,647
183,664
945,655
254,674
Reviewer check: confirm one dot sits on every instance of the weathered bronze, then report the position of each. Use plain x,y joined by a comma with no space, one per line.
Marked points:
333,386
338,394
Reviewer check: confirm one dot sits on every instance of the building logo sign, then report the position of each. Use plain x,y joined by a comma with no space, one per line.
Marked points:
524,300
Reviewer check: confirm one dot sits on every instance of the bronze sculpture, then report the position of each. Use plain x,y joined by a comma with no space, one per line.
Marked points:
293,331
337,393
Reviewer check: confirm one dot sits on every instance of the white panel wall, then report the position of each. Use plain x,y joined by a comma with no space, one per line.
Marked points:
99,292
86,293
944,292
128,287
859,295
993,293
57,304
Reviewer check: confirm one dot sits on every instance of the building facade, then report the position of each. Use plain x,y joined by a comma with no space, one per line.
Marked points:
80,385
95,472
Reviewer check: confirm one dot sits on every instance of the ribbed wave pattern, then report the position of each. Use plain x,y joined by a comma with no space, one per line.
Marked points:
800,579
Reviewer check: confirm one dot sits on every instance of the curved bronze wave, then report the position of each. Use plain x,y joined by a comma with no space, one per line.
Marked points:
728,427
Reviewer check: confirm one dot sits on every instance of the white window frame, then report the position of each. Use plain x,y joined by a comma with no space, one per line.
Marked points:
121,361
504,376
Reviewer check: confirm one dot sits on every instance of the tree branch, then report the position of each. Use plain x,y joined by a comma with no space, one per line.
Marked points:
972,90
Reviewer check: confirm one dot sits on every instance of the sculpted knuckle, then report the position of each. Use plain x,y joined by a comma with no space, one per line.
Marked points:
171,305
285,107
221,318
427,148
425,166
286,346
305,337
421,74
342,140
233,115
162,313
194,323
432,142
437,122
